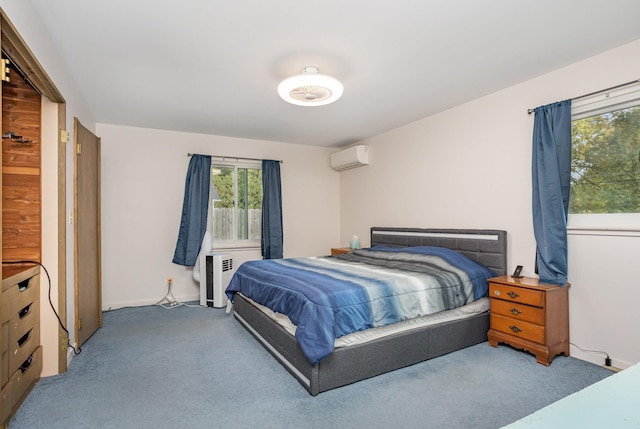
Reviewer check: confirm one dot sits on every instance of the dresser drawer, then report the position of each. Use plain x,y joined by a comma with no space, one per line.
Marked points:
26,375
518,311
6,401
23,320
19,295
4,355
518,328
517,294
4,368
23,347
5,337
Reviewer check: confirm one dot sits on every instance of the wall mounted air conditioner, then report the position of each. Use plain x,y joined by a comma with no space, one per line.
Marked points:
352,157
218,270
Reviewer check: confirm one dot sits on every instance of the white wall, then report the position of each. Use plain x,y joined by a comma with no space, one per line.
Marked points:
30,27
143,176
470,167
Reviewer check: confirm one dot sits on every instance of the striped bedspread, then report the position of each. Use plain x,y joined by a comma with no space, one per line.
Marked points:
331,296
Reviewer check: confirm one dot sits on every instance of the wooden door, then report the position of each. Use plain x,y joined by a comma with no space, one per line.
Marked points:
88,275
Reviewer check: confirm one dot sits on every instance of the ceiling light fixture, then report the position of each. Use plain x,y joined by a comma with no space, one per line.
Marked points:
310,88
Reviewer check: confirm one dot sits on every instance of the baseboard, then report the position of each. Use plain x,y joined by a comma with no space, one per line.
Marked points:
612,368
144,302
598,358
71,354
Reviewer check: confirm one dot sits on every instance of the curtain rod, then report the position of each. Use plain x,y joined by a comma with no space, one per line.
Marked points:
530,111
234,157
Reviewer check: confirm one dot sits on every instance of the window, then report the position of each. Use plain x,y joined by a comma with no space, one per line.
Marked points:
605,165
236,218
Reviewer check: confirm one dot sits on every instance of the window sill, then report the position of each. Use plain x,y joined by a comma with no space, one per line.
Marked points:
234,248
604,231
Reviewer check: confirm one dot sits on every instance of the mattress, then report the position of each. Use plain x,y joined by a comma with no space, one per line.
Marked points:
361,337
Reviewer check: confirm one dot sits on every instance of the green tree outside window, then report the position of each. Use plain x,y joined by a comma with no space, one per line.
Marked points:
605,166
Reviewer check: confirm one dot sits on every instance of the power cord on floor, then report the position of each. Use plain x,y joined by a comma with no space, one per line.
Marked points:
76,352
169,301
607,359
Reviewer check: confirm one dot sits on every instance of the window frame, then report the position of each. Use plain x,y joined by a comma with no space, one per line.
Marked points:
236,243
605,223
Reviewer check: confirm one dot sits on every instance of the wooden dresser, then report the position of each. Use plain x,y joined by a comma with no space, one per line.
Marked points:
20,338
530,315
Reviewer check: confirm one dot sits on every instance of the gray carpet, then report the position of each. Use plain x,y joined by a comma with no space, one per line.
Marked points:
198,368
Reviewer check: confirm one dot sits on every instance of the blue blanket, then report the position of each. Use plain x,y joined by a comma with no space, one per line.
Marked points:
328,297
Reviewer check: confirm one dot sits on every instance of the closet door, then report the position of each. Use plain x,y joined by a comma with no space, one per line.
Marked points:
88,279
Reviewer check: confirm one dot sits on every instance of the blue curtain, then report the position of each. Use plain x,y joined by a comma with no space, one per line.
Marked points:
551,169
271,210
195,207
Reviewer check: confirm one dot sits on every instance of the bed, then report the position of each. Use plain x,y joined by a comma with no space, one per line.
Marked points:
346,364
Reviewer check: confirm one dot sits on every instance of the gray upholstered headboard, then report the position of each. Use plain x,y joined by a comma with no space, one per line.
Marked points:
486,246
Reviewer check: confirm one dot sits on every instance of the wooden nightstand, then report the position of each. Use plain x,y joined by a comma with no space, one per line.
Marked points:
530,315
339,250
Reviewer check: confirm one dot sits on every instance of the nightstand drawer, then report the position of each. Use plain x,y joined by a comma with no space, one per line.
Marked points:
518,328
516,294
518,311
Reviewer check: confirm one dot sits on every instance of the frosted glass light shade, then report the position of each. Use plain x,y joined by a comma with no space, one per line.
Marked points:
310,88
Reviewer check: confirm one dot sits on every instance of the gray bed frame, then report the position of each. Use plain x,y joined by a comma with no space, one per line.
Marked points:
348,365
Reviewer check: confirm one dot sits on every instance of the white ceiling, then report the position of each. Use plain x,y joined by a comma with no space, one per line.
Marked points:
212,66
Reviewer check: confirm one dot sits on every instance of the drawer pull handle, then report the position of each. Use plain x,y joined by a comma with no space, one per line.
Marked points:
26,364
24,311
24,338
514,328
512,294
23,285
514,311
